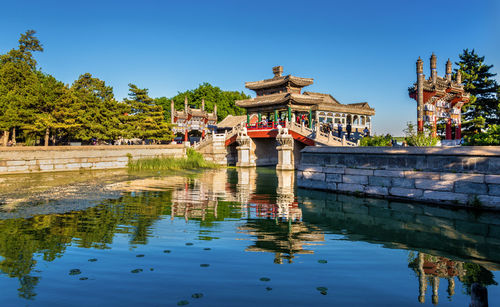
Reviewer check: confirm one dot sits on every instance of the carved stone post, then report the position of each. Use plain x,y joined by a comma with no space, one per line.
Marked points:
244,154
285,151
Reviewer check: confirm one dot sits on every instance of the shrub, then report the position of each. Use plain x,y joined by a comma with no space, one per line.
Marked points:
490,137
376,140
420,139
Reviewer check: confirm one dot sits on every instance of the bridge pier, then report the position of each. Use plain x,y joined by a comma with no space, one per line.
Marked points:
285,151
244,153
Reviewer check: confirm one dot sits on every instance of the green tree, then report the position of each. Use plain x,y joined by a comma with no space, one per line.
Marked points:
47,119
490,137
213,95
18,82
146,118
90,110
483,109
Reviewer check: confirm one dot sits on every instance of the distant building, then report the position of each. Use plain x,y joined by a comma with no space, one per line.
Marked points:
191,119
282,98
439,98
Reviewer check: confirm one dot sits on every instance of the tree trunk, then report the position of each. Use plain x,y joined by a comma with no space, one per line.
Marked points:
5,138
47,134
13,136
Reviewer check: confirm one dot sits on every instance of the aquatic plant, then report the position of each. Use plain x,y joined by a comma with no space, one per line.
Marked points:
193,160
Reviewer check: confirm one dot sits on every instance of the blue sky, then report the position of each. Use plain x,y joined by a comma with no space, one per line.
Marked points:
355,50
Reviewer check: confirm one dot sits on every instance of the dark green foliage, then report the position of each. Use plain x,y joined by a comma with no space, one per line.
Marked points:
483,109
376,140
489,138
146,118
225,100
90,110
474,273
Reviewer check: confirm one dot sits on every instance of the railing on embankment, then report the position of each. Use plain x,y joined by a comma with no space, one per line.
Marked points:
464,175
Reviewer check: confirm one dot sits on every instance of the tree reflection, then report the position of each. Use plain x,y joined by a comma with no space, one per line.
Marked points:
430,269
134,214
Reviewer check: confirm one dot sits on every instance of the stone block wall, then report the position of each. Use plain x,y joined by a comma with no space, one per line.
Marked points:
66,158
464,175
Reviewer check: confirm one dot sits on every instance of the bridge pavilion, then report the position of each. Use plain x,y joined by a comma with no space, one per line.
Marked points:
281,98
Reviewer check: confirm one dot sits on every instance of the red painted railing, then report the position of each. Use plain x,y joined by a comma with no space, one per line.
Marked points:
261,126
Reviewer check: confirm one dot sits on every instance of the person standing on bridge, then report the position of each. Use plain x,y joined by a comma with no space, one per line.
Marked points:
339,127
348,128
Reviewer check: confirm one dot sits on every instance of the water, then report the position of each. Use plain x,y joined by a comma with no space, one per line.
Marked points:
233,238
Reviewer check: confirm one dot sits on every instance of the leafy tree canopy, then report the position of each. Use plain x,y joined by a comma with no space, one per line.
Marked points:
483,109
146,118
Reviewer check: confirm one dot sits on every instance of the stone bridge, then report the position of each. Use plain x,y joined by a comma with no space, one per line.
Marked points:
263,145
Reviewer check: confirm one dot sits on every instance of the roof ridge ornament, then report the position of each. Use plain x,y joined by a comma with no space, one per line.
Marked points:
278,71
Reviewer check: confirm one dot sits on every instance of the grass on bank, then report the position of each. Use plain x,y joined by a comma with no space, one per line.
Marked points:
193,160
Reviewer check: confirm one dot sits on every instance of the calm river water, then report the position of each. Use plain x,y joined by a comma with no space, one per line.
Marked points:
232,238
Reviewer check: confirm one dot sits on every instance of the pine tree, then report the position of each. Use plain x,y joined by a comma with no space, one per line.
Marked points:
18,84
483,110
91,111
146,119
46,119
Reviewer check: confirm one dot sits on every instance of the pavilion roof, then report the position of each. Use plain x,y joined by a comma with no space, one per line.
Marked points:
362,108
279,80
279,98
326,97
441,86
195,112
232,120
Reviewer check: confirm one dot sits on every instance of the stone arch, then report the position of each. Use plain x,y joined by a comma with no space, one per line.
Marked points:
349,119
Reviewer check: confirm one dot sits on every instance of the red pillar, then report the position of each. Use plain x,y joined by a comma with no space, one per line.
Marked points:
448,129
434,129
203,134
420,126
458,131
186,136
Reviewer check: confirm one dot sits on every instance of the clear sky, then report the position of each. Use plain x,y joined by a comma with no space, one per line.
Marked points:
355,50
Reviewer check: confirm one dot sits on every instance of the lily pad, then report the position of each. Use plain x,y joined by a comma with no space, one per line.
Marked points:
324,292
182,303
269,288
265,279
151,269
75,272
322,289
207,249
322,261
204,265
167,251
189,244
197,295
84,278
136,271
92,259
140,255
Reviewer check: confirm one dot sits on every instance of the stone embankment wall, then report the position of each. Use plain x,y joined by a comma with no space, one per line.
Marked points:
67,158
460,175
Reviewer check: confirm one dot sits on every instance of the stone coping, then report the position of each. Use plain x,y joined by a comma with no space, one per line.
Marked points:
448,151
87,147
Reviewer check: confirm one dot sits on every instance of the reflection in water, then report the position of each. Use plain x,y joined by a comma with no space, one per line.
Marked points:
455,245
438,234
